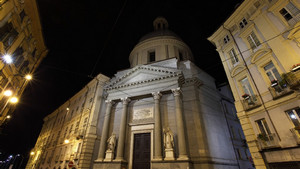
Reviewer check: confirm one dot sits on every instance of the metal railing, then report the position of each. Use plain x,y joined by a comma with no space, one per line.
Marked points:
280,90
293,79
268,141
296,134
251,102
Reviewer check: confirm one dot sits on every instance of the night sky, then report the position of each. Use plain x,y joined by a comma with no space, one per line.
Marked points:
89,37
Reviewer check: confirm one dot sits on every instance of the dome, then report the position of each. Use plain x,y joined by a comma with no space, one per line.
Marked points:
159,33
161,44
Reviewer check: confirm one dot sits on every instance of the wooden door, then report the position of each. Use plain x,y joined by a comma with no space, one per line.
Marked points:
141,151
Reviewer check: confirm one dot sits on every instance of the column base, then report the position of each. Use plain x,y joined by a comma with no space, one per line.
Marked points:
99,160
183,158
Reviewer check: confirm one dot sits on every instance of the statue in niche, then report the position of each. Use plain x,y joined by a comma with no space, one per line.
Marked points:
111,142
168,138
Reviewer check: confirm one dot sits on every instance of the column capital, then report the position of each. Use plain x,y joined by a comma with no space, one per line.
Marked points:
176,92
156,95
109,102
125,100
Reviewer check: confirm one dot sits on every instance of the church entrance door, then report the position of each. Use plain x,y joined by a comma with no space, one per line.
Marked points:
141,151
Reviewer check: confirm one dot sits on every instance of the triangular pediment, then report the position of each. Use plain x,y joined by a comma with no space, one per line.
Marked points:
141,75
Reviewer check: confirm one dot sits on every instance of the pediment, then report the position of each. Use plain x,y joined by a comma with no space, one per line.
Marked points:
237,70
142,74
260,54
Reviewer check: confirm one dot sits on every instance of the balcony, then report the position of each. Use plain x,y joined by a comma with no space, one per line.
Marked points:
267,141
296,134
250,102
279,90
293,79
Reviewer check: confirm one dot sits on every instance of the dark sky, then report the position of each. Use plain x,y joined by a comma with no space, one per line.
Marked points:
89,37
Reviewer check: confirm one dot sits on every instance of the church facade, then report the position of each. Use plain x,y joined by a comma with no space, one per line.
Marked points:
165,111
162,112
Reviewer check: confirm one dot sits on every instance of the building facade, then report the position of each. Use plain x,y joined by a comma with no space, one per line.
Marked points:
164,112
259,48
68,134
22,41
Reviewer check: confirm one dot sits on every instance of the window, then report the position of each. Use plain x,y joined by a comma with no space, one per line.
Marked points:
272,72
151,56
243,23
22,15
289,11
180,56
246,87
233,133
19,55
253,40
233,56
226,39
294,116
239,153
263,127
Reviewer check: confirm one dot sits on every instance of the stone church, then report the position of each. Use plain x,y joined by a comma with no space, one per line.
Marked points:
163,112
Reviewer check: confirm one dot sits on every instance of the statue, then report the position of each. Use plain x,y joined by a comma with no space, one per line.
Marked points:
169,144
111,142
168,139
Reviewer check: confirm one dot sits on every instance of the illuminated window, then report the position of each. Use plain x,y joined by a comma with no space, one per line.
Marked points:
294,116
243,23
253,40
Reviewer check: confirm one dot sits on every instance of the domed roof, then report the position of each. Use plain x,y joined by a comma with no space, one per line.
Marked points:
158,33
160,25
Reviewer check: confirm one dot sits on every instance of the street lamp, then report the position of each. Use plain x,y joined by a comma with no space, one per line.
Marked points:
8,93
14,99
7,58
28,77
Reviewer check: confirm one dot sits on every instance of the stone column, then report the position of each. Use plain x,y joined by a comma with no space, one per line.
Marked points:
122,132
180,125
105,129
157,127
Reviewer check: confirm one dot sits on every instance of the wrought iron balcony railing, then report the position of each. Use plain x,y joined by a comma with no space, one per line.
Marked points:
268,141
280,90
293,79
296,134
251,102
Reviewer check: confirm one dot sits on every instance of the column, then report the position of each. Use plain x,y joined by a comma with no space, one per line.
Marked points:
122,132
180,125
157,127
105,129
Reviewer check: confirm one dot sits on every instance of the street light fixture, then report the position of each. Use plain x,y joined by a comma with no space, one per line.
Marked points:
14,99
8,93
28,77
8,116
8,59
